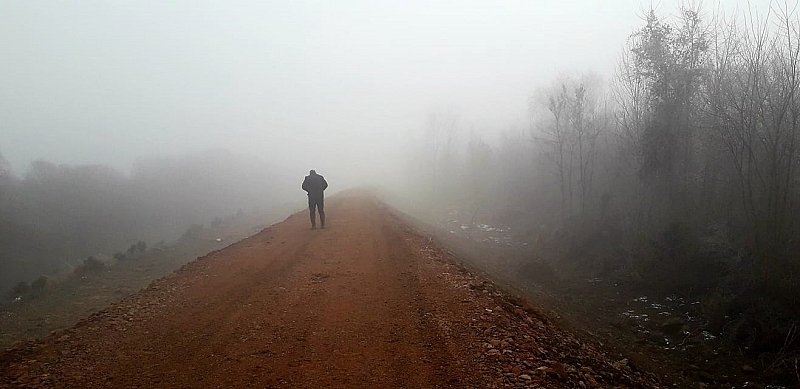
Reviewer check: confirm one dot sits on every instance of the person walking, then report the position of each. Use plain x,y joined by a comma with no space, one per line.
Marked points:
315,185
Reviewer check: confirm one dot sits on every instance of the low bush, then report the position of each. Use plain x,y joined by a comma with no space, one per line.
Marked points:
19,289
93,264
196,231
40,283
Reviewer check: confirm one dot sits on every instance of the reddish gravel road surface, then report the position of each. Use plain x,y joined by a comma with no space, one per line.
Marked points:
366,303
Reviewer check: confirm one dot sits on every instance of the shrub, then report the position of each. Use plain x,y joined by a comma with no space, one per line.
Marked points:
93,264
132,249
19,289
119,256
193,232
216,223
40,283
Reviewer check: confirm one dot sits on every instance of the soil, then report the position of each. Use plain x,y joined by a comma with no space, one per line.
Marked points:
662,334
71,296
366,303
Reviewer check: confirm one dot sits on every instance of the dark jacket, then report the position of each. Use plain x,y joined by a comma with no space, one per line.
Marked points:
314,184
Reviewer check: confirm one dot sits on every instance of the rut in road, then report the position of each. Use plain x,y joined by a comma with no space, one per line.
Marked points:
365,303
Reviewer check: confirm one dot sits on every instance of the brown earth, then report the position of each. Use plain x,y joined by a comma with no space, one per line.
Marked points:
673,347
72,295
367,303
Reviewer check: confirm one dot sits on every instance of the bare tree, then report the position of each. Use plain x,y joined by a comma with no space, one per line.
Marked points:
569,138
441,133
755,107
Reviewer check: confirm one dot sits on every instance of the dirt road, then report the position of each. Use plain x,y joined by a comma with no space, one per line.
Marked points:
366,303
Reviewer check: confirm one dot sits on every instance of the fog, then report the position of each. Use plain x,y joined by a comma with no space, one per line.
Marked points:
294,83
344,88
654,142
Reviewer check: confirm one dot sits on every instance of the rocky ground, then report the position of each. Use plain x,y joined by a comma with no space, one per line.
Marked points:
661,333
369,302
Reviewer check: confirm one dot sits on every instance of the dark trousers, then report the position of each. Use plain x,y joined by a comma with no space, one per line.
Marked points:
316,203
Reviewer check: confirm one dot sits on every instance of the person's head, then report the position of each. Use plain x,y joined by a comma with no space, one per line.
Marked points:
313,172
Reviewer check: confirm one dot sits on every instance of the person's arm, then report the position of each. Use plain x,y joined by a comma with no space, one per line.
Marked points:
305,184
324,183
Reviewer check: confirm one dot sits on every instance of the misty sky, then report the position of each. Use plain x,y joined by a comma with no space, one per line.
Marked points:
326,85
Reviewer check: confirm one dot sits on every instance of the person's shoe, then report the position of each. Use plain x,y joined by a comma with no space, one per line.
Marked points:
313,227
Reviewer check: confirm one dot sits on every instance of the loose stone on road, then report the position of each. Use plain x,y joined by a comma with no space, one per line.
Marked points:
365,303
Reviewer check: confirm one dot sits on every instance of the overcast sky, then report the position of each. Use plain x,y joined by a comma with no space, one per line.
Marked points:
331,85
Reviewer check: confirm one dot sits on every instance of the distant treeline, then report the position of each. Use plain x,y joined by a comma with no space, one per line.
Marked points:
60,214
681,174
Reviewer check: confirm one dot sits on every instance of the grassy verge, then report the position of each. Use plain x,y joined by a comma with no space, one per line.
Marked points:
68,297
